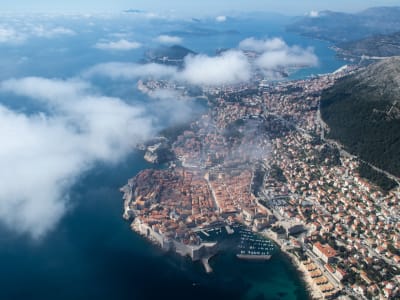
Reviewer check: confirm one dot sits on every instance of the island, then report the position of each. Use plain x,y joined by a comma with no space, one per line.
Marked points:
168,55
261,159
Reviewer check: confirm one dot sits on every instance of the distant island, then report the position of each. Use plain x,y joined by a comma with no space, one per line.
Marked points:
134,11
168,55
196,30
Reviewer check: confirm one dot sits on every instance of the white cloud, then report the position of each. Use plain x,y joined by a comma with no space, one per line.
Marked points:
313,14
129,71
220,19
256,45
42,155
172,106
229,68
287,58
144,14
169,39
166,94
122,44
12,36
9,35
276,54
42,31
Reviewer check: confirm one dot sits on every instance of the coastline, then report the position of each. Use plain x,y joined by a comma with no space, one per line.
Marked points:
172,206
312,291
206,264
203,252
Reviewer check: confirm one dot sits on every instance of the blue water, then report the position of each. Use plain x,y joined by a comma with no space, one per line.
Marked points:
92,253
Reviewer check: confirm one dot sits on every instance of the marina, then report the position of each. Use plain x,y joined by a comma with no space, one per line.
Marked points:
245,243
253,246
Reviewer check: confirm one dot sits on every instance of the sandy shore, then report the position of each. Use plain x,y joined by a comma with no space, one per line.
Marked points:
312,290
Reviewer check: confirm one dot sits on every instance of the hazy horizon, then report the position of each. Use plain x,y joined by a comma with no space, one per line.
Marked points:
190,8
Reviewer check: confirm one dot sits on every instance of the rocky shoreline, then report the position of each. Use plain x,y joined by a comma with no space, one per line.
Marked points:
200,252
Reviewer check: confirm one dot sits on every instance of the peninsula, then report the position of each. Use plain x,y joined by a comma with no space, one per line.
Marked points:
259,157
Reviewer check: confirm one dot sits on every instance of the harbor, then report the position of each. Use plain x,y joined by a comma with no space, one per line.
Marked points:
253,246
245,243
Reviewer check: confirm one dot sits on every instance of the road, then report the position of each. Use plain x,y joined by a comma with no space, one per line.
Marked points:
345,153
331,278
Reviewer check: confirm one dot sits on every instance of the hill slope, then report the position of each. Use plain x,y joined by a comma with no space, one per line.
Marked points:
363,113
377,45
169,55
339,27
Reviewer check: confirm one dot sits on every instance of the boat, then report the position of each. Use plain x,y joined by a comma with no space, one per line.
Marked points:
261,257
254,247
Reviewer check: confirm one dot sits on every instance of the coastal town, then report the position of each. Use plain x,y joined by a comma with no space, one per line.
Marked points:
259,157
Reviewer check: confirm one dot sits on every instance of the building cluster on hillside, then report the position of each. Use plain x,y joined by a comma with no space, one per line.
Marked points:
347,229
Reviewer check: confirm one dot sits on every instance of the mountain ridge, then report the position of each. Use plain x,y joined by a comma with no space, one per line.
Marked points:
334,26
363,113
375,46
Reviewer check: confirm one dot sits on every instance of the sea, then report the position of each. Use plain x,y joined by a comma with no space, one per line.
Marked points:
92,252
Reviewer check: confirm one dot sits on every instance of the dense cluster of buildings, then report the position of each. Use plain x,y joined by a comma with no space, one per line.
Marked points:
259,158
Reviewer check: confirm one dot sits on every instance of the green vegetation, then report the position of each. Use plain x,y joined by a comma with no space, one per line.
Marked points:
393,250
232,133
376,177
334,26
165,155
258,180
263,203
171,52
172,133
362,114
328,155
278,229
277,173
240,95
377,45
275,128
169,55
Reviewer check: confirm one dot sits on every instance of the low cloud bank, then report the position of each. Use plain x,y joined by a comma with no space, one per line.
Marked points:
220,19
275,53
123,45
313,14
230,67
130,71
169,39
9,35
43,155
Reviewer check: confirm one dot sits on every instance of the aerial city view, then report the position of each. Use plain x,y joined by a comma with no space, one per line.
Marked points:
200,150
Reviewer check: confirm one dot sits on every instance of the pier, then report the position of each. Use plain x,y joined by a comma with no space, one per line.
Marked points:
206,264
